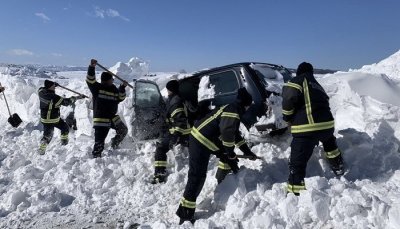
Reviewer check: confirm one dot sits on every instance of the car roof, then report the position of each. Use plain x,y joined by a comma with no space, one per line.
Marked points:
208,70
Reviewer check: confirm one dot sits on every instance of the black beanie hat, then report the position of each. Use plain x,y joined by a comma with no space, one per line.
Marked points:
243,97
105,76
173,86
48,84
303,68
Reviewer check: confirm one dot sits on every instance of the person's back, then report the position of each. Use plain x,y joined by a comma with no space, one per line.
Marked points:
106,97
305,108
304,95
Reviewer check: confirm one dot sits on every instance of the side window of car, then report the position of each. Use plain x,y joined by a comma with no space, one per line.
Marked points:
225,82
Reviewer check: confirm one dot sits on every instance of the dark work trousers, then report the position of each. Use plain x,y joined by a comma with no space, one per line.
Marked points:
301,151
160,157
199,156
48,131
100,134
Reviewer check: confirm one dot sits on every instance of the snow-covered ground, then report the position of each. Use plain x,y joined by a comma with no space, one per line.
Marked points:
66,188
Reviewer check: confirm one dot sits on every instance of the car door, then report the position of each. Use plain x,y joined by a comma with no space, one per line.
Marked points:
148,106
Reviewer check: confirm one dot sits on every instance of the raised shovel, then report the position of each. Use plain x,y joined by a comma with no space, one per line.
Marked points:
14,119
105,69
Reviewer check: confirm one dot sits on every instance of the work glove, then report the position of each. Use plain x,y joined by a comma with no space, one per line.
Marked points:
123,84
73,99
93,62
56,84
232,161
174,141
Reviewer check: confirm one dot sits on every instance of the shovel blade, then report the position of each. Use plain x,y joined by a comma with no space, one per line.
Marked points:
14,120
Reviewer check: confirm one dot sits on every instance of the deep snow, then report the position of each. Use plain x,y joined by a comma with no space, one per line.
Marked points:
67,188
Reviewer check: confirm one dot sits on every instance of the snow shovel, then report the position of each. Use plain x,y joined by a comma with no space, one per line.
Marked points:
105,69
249,157
14,119
58,85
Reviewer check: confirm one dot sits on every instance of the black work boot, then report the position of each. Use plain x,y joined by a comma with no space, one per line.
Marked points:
64,142
185,214
159,178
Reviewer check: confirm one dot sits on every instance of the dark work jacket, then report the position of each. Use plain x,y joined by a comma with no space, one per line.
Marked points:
105,99
306,106
50,104
221,127
176,116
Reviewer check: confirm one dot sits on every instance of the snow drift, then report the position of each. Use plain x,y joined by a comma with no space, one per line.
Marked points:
67,188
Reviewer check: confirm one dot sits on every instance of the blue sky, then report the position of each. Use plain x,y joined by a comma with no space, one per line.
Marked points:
192,35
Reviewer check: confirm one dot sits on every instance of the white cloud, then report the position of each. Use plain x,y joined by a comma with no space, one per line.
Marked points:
43,16
101,13
20,52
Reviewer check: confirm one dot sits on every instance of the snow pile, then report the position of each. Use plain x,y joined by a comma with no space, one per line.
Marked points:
66,188
206,89
135,68
389,66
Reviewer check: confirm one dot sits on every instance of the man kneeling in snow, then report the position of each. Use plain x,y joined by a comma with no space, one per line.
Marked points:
50,104
305,107
216,133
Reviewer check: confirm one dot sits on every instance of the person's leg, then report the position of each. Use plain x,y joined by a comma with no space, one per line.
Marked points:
100,134
301,151
160,161
198,163
333,154
64,128
121,131
48,131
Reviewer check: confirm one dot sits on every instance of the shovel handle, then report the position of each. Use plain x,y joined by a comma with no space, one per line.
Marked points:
5,99
248,157
105,69
73,91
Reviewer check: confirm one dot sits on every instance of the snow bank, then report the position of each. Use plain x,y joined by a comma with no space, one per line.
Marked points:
389,66
67,188
135,68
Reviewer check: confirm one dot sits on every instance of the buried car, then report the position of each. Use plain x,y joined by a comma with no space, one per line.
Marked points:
208,89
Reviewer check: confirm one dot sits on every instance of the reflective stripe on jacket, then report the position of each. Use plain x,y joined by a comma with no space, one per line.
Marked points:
105,99
306,105
177,116
220,127
50,104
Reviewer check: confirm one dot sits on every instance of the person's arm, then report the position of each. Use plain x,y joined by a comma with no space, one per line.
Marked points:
178,118
91,77
228,126
121,92
290,95
242,145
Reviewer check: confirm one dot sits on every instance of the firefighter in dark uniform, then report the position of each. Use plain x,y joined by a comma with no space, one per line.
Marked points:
106,97
216,133
179,129
50,104
306,109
